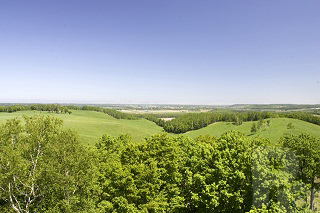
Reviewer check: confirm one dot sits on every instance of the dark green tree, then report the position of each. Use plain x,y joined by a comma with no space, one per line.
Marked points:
260,125
268,123
253,128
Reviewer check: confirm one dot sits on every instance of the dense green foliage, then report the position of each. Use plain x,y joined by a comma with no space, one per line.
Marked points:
226,174
45,169
307,149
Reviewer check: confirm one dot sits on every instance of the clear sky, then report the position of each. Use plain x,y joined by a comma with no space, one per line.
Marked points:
160,51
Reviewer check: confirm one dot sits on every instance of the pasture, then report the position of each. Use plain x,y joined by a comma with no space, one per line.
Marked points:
92,125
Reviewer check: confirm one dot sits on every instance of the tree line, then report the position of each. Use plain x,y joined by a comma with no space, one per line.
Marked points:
40,107
308,117
158,118
194,121
44,168
57,108
112,112
13,108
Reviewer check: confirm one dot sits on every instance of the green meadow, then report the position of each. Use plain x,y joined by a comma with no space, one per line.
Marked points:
92,125
278,127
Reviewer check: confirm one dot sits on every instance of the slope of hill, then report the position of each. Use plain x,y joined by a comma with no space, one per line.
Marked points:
92,125
278,128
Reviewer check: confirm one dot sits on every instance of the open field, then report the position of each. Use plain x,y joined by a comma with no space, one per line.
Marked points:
278,128
92,125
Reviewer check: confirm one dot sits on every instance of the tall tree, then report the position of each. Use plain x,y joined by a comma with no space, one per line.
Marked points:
44,168
307,149
253,128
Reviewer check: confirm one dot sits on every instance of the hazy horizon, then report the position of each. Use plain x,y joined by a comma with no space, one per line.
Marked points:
169,104
160,52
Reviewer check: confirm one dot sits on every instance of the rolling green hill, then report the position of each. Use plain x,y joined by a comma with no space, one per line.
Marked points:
277,129
92,125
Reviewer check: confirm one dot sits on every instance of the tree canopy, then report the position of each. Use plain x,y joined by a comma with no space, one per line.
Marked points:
44,168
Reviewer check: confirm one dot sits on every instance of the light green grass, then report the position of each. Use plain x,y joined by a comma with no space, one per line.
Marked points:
92,125
277,129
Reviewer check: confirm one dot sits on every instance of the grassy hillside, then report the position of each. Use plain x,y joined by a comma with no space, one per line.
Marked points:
92,125
277,128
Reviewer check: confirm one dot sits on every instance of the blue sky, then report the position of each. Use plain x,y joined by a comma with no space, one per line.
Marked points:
160,51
